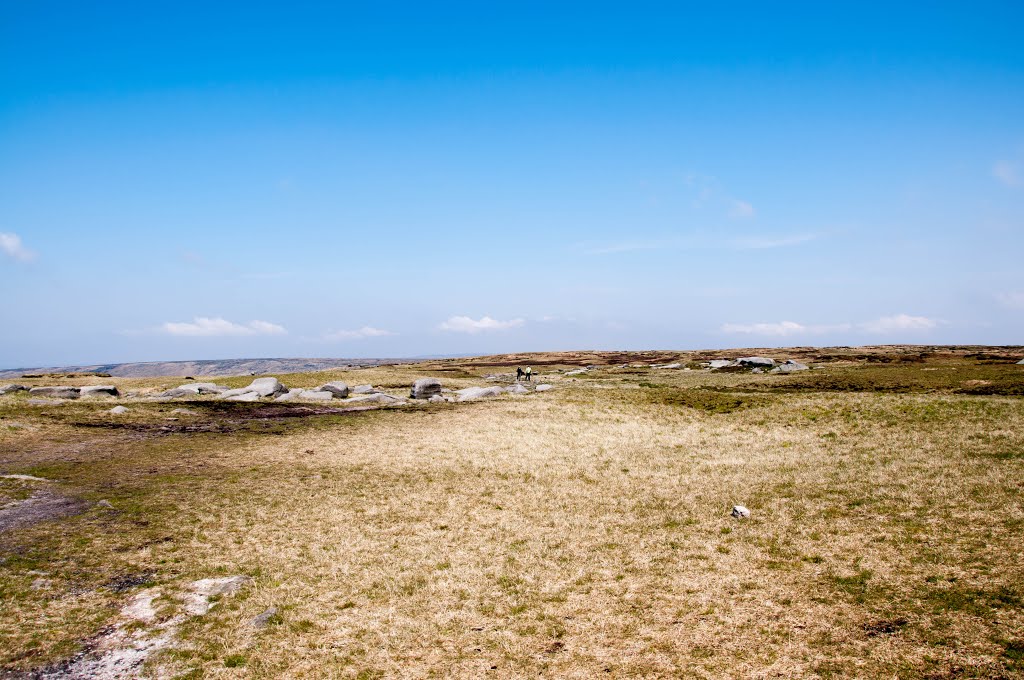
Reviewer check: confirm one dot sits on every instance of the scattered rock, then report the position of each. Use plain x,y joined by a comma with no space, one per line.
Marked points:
98,391
244,396
425,388
55,392
471,393
316,395
719,363
1021,362
740,512
105,504
668,366
578,371
790,366
754,361
267,387
10,389
543,387
290,395
263,619
437,399
761,370
196,388
337,388
516,389
377,398
40,583
118,410
364,389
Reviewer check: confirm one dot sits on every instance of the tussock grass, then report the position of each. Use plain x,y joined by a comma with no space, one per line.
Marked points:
580,532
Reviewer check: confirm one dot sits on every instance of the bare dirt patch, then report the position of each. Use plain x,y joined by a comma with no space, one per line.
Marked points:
42,505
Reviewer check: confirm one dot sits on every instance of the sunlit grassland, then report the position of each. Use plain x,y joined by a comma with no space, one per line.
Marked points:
580,532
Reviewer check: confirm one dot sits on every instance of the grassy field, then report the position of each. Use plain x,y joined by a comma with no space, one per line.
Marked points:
580,532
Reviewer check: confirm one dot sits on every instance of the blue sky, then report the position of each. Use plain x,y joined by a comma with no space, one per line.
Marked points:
179,181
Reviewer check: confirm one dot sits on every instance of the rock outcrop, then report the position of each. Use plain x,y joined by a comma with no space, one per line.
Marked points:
337,388
98,391
425,388
55,392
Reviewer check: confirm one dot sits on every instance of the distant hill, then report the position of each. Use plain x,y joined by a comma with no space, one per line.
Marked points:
206,367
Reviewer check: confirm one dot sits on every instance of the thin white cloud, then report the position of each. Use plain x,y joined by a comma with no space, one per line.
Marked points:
11,245
1011,299
778,329
885,324
898,322
761,242
464,324
202,326
1008,173
741,210
359,334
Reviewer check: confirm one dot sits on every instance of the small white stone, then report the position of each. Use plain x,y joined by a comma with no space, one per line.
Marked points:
740,512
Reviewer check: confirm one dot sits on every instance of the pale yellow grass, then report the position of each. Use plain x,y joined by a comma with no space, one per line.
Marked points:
574,536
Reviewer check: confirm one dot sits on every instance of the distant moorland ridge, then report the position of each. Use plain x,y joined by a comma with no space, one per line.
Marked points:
155,369
229,367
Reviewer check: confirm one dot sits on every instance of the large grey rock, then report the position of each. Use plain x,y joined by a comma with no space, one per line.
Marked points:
516,389
245,396
11,389
98,391
55,392
199,388
425,388
337,388
668,366
118,410
471,393
1021,362
290,395
543,387
790,367
719,363
267,387
315,395
376,398
231,394
363,389
755,361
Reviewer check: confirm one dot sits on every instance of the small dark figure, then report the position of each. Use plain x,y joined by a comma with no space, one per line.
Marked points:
519,373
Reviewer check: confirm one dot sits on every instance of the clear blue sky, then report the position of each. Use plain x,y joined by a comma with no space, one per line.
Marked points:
211,180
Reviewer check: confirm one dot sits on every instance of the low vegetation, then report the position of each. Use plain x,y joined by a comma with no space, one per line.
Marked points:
579,532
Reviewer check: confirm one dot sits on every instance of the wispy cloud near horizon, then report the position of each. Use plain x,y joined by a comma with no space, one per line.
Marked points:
881,325
202,326
358,334
465,324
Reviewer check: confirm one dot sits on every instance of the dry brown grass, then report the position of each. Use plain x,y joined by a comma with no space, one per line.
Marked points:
580,532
